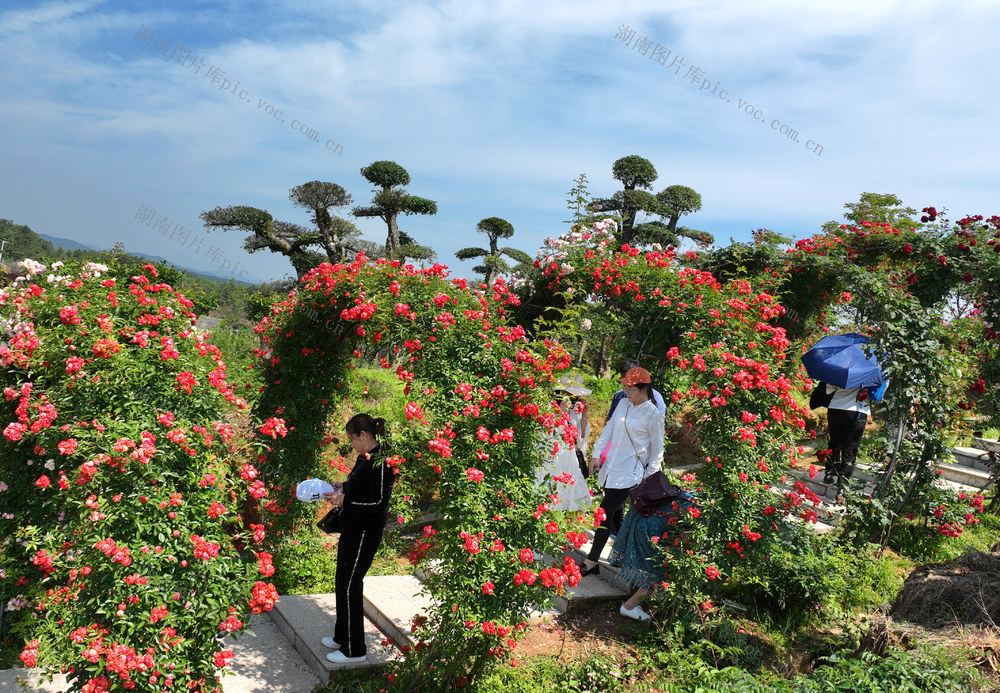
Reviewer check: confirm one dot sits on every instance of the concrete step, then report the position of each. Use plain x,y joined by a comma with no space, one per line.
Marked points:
608,573
971,457
969,476
305,619
590,590
391,602
987,444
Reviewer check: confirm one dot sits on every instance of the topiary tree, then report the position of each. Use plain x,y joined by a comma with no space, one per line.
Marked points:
675,201
391,201
333,236
495,228
637,175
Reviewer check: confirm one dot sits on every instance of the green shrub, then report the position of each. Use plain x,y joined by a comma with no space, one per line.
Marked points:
814,573
923,544
593,674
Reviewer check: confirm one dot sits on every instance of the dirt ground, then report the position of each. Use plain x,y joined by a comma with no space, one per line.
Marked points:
578,635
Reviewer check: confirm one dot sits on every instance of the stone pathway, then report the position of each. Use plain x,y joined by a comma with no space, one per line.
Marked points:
264,662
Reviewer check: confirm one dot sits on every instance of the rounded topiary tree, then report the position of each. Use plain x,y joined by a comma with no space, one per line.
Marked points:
493,265
121,534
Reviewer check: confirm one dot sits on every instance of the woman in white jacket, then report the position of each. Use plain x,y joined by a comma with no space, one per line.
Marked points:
636,434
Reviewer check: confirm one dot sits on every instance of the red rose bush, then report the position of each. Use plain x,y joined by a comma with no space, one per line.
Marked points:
121,533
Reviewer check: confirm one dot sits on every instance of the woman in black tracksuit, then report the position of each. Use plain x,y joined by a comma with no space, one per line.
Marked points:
365,498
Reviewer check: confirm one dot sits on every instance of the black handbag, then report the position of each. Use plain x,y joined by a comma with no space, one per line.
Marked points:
333,521
652,492
819,397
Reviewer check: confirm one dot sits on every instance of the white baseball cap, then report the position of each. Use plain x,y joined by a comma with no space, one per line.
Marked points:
312,490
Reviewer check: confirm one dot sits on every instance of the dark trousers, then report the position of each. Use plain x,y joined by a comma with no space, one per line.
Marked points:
613,505
355,553
846,429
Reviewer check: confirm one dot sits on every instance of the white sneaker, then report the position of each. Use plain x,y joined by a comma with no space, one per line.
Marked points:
330,643
338,657
636,614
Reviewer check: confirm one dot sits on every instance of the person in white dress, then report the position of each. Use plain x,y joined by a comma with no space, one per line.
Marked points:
574,495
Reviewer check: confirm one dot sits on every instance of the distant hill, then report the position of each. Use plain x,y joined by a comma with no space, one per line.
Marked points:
66,242
70,244
153,258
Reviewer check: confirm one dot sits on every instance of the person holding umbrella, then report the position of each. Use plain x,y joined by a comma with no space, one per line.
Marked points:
847,373
846,418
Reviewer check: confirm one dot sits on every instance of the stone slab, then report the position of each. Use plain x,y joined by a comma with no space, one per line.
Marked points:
21,680
971,457
589,590
987,444
391,602
306,619
970,476
265,661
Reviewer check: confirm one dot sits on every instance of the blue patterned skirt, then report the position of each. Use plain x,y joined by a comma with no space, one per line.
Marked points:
641,560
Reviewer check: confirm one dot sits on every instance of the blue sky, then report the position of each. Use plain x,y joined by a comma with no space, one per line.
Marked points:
493,108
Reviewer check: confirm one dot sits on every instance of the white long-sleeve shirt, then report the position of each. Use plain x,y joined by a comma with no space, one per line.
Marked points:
847,400
636,435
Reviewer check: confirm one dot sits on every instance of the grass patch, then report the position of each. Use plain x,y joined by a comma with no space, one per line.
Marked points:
923,544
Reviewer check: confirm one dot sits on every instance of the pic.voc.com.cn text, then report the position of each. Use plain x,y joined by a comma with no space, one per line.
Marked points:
660,54
216,76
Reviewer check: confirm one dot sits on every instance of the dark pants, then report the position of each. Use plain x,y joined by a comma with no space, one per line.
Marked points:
846,429
355,553
613,504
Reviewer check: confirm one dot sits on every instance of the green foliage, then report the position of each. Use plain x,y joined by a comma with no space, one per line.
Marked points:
816,574
634,172
22,242
881,209
238,346
386,174
306,564
594,674
725,657
923,544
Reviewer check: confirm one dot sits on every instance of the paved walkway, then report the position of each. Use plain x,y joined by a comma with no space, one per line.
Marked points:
264,662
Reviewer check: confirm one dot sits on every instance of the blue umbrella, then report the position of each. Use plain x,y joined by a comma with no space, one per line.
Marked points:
839,360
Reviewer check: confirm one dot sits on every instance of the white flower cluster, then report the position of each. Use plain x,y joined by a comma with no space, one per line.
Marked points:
95,268
30,268
602,234
17,603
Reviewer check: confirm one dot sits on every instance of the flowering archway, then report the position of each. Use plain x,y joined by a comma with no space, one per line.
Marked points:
481,403
478,419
